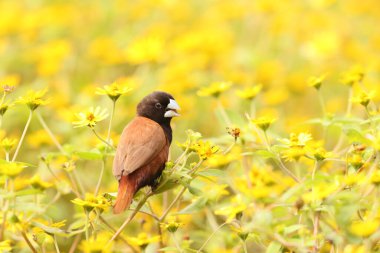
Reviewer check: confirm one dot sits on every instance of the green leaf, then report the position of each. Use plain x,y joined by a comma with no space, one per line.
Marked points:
195,206
265,154
355,135
211,173
195,191
292,228
274,247
49,230
21,193
88,155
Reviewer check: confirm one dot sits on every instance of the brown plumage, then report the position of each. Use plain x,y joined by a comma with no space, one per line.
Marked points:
143,147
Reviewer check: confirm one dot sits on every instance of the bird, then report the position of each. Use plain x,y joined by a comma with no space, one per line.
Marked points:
143,148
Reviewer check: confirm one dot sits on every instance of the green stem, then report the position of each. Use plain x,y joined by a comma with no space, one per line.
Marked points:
108,144
126,222
278,159
23,135
111,119
245,247
114,231
316,166
176,242
253,109
28,242
322,102
78,182
56,244
87,224
101,139
2,99
50,133
209,238
348,112
100,176
224,114
166,212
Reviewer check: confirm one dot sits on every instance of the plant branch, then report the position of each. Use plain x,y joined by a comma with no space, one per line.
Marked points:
101,139
139,206
28,242
209,238
50,133
23,135
166,212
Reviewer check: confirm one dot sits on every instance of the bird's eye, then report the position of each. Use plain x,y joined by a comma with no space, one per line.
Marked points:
158,105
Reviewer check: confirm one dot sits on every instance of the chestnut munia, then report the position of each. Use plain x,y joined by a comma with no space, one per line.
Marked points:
144,147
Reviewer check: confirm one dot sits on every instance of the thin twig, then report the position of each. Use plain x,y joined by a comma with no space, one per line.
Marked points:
75,243
100,176
139,206
209,238
315,232
114,230
101,139
166,212
50,133
23,135
56,244
28,242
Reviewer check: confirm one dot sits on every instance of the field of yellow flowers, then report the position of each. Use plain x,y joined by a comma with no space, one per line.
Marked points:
277,148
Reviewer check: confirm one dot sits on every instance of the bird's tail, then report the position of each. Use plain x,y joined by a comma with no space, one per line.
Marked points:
124,196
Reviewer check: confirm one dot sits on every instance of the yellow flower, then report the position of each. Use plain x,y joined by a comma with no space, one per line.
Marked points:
263,122
293,153
34,99
39,138
363,98
297,140
171,225
69,166
205,149
191,141
143,240
319,192
7,144
321,154
99,244
90,118
90,202
375,178
233,211
11,169
5,246
240,231
353,76
41,237
9,82
4,107
250,93
145,49
218,160
114,90
316,82
355,249
215,89
364,228
37,183
356,160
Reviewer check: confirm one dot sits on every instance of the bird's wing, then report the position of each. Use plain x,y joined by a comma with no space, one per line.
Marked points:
141,141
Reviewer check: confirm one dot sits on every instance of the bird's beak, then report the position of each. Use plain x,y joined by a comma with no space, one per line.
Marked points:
171,109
